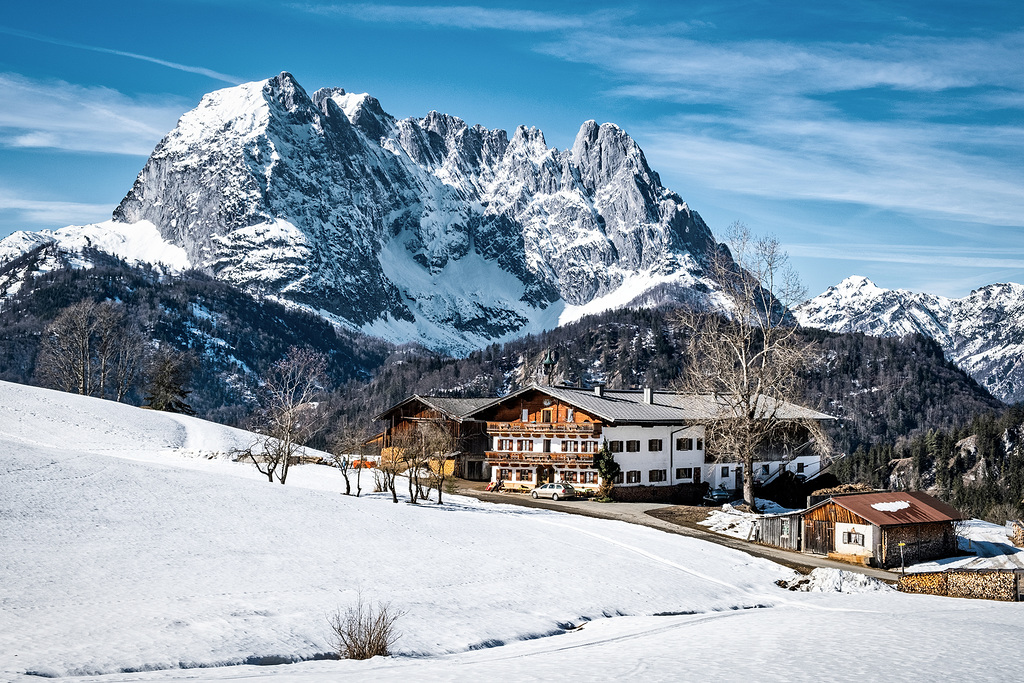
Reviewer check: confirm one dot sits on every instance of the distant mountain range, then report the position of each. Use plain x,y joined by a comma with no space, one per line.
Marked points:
983,333
428,230
421,229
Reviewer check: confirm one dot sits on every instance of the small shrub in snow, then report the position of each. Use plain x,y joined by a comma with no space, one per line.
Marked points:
364,630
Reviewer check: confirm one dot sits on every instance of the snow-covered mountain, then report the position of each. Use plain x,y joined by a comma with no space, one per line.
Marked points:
983,333
421,229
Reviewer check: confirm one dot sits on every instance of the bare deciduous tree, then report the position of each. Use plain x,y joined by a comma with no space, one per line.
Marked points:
748,362
440,445
94,349
291,413
350,444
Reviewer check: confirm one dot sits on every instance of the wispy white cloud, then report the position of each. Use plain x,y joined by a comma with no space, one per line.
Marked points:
202,71
691,69
462,16
916,168
955,257
50,213
60,115
787,120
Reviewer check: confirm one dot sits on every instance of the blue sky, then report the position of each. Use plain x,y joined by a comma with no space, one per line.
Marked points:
883,139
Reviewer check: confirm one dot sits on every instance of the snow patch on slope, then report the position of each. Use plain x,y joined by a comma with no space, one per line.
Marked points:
136,243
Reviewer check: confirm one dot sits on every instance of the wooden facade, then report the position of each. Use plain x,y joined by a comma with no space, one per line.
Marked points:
779,531
470,436
831,528
536,438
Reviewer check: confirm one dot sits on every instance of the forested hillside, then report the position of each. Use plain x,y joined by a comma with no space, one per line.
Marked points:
978,467
231,337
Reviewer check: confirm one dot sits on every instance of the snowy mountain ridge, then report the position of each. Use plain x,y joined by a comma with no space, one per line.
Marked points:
420,229
982,333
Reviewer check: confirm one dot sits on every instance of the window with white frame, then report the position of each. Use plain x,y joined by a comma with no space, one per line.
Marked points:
633,477
633,446
700,444
853,538
765,469
684,473
615,446
656,476
568,414
725,470
526,415
654,445
684,444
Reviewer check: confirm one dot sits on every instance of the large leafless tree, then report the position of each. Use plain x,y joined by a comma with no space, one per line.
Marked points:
748,363
440,445
291,413
94,349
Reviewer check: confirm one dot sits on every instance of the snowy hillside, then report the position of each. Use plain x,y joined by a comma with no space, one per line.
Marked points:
126,551
421,229
983,333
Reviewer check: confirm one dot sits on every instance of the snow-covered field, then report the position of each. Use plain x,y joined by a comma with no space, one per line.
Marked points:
127,552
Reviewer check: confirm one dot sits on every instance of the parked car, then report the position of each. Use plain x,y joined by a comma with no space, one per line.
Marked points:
554,491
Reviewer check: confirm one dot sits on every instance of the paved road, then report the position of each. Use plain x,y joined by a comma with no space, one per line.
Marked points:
636,513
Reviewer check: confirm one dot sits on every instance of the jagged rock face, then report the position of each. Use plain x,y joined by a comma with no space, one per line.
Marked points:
418,229
983,333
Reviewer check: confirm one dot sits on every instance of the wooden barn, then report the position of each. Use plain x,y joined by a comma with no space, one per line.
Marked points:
780,531
453,413
869,528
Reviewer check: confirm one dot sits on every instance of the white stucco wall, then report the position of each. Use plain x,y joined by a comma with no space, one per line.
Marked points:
850,549
668,458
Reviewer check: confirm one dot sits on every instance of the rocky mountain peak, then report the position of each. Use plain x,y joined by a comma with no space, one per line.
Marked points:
420,229
983,333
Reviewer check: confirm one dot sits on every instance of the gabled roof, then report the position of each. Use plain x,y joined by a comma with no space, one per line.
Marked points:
889,508
453,408
665,407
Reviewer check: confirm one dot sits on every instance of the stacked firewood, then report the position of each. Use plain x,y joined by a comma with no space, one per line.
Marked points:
932,583
991,584
1017,533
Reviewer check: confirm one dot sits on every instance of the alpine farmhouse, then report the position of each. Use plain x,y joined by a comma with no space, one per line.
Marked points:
545,434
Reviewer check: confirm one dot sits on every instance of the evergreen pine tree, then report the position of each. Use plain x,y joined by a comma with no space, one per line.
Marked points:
169,373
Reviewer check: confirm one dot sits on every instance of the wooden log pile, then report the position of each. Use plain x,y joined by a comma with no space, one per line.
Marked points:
983,584
1017,533
987,585
930,583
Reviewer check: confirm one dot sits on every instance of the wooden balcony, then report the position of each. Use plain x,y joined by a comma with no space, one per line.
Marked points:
586,429
539,458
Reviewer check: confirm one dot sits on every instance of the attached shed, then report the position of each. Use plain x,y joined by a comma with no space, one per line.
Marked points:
780,531
869,528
